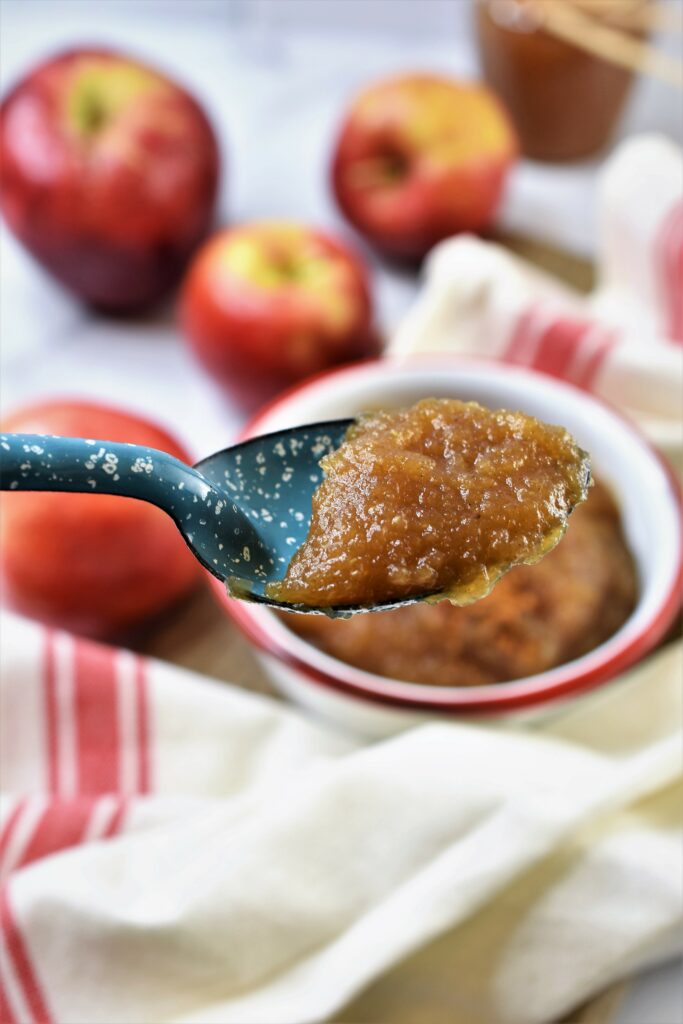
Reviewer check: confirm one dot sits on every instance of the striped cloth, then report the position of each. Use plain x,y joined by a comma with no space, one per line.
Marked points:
175,850
97,742
75,744
640,238
570,347
622,343
669,256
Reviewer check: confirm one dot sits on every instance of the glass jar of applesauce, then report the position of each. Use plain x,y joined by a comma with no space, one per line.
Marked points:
565,102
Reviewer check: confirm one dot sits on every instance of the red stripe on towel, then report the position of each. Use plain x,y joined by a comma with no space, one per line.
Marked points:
602,342
50,683
519,343
61,825
21,962
116,821
9,826
558,346
6,1012
669,268
97,731
142,718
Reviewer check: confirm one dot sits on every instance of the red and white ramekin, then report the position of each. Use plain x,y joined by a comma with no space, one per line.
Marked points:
642,483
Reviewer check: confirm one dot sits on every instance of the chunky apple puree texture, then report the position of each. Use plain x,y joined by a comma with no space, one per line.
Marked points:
537,617
436,501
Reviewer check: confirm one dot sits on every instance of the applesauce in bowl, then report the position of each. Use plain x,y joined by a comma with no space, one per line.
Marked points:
638,483
536,618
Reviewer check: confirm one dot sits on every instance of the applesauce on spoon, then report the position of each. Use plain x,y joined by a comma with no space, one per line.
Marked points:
435,501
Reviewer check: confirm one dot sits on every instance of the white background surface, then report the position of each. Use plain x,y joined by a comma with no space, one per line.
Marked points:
274,76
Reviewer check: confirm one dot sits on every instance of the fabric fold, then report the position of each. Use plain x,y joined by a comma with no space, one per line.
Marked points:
264,895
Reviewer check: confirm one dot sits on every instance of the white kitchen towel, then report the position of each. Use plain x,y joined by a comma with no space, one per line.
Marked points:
623,342
176,850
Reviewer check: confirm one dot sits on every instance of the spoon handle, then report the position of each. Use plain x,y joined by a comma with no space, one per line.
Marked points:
43,462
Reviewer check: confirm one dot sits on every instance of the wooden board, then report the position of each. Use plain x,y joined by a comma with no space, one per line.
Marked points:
198,636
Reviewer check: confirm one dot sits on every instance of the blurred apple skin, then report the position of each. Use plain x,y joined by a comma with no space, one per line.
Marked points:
109,176
94,564
420,158
266,304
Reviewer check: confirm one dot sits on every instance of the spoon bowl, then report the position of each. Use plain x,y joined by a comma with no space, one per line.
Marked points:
271,479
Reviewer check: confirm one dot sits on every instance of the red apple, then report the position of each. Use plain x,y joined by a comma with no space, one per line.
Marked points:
268,303
95,564
420,158
109,175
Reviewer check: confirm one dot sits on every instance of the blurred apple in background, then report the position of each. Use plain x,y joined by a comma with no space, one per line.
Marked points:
109,175
268,303
92,563
420,158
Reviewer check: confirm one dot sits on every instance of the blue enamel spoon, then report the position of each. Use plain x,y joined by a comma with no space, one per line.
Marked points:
243,512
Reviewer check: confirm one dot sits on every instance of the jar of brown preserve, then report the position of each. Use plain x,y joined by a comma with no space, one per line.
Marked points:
564,100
